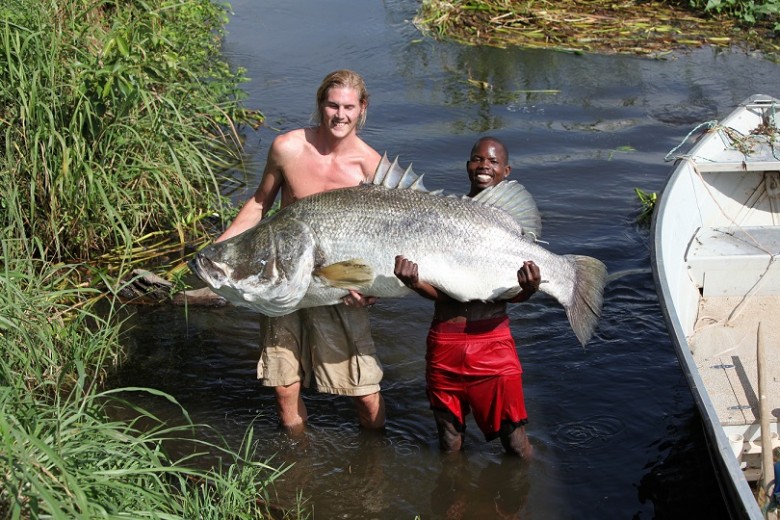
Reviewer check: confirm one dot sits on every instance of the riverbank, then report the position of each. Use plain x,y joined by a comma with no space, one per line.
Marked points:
120,123
647,28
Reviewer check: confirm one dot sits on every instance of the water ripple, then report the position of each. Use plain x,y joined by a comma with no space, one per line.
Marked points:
588,434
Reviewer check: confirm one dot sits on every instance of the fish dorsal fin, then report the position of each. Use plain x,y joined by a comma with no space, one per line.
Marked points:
347,274
390,175
509,196
513,198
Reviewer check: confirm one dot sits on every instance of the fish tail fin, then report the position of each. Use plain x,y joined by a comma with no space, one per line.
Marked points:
584,310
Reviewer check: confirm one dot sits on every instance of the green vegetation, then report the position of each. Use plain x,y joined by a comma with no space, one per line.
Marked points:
61,454
651,28
118,120
748,12
648,202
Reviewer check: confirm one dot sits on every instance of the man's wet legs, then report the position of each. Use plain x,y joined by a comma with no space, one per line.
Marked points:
371,410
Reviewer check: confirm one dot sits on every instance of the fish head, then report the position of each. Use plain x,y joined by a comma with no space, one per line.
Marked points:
265,268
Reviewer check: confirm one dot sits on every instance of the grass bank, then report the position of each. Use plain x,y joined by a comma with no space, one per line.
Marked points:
119,120
63,456
651,28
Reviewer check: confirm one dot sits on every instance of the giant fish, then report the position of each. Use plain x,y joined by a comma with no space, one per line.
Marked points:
313,251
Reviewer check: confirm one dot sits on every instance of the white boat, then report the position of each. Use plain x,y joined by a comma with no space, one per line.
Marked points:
716,239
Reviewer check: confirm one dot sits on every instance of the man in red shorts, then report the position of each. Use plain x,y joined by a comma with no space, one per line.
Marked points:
471,360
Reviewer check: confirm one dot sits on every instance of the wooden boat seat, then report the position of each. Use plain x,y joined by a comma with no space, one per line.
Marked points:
726,261
752,165
723,346
733,389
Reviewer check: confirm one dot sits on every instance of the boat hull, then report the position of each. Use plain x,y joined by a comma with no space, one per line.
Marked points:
716,231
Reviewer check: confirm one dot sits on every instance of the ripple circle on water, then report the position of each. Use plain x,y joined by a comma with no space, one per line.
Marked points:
590,433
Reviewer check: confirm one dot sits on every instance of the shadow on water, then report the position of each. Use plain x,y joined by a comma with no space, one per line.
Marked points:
613,424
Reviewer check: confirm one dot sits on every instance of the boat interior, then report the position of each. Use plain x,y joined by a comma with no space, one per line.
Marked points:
733,261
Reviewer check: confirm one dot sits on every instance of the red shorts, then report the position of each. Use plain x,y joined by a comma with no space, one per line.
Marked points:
474,368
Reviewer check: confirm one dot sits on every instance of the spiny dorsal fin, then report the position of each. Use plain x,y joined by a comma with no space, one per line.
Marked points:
507,195
513,198
393,176
347,274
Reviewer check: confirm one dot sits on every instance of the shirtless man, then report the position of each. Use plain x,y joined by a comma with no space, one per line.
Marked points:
471,359
328,346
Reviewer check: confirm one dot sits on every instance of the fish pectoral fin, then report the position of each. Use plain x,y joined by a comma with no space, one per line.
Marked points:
348,274
511,293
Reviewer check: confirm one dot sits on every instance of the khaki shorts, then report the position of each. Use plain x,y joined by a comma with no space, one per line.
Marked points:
330,345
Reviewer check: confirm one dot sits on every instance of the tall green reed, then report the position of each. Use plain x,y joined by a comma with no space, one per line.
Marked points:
118,119
62,452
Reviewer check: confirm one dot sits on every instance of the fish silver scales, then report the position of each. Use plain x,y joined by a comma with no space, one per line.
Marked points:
311,252
453,241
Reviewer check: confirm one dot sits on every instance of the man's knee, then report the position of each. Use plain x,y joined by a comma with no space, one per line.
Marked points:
450,441
292,412
515,441
371,410
286,392
450,431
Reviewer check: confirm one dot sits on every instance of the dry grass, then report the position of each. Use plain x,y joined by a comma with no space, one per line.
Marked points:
625,27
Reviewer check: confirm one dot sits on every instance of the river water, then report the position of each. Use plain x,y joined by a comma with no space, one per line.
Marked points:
614,426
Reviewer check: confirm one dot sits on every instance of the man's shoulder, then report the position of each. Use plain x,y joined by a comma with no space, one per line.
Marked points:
288,146
296,137
370,159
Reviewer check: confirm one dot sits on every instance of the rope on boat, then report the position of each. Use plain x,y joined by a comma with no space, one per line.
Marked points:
772,256
708,124
737,310
766,129
738,140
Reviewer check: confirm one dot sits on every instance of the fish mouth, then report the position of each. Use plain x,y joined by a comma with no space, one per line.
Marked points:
205,269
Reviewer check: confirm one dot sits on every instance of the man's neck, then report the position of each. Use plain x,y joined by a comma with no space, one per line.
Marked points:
328,144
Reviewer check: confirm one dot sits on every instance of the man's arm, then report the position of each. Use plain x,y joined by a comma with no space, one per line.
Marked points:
528,277
258,205
406,271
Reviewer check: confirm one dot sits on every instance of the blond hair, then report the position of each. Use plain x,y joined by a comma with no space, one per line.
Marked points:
342,78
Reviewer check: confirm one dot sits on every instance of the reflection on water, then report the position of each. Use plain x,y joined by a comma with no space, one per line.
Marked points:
597,419
466,489
613,424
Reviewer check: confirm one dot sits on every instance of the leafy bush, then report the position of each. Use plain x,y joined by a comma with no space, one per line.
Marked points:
747,11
